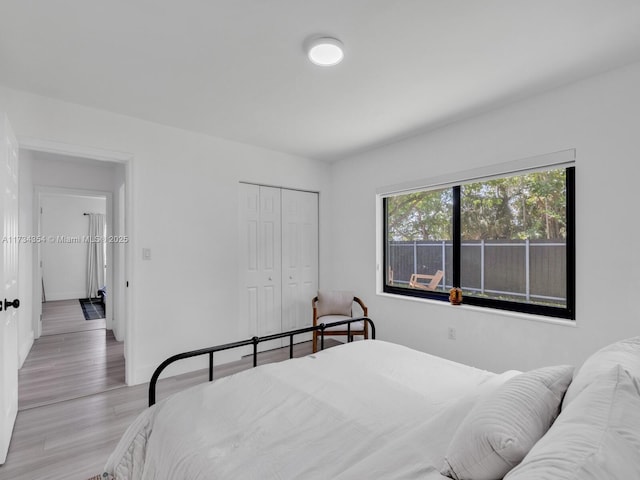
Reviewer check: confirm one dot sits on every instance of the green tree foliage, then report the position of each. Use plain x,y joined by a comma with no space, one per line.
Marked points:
529,206
420,216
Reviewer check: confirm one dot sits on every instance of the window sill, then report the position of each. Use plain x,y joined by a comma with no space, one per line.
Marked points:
484,310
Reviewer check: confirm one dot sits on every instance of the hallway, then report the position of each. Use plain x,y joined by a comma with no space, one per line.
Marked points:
73,358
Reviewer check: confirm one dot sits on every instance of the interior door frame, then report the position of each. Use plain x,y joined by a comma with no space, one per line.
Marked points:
42,191
110,156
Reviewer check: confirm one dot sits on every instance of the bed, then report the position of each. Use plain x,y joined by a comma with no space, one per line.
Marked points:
363,410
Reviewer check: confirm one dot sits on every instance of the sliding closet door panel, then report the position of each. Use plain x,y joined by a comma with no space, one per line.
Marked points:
271,265
299,257
249,246
260,263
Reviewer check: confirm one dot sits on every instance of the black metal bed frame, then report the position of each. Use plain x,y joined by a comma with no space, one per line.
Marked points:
253,341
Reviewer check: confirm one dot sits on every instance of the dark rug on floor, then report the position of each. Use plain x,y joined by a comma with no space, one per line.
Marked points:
92,308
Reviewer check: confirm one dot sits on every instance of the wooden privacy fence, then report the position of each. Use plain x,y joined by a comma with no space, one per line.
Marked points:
528,269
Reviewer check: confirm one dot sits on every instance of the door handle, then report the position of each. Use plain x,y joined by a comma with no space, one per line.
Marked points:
14,304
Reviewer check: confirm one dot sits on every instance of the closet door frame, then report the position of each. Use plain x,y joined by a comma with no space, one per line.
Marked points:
265,270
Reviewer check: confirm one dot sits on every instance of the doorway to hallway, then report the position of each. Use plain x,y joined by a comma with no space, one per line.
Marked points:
72,357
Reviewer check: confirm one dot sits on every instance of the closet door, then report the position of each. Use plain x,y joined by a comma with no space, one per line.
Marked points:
299,258
260,262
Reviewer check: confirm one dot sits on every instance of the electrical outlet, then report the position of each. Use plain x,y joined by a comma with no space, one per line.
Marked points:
452,333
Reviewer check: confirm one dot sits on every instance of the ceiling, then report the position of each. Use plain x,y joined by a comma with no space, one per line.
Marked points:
236,68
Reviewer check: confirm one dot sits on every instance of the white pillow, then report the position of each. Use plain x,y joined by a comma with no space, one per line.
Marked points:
501,429
597,437
334,303
625,353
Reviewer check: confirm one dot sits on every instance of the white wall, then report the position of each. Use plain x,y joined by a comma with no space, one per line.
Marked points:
64,264
72,173
26,228
184,208
599,118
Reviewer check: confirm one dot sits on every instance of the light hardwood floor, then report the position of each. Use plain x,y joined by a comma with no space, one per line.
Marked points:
72,439
65,316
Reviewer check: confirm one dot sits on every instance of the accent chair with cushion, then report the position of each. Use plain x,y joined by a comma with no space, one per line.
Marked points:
334,306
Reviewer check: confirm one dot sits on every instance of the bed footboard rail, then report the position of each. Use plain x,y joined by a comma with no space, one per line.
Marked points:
255,341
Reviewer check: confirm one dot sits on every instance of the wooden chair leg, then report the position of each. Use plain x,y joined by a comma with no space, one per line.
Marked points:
314,348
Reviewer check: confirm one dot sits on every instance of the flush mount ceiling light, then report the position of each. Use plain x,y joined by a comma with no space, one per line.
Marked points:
325,51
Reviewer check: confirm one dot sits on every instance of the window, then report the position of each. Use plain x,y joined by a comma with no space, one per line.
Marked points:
507,242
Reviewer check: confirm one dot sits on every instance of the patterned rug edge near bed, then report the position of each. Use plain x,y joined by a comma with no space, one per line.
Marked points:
92,308
97,477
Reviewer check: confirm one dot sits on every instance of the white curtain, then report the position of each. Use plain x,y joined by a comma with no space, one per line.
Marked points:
96,257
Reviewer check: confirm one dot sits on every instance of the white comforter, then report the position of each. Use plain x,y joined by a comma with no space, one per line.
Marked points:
368,409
